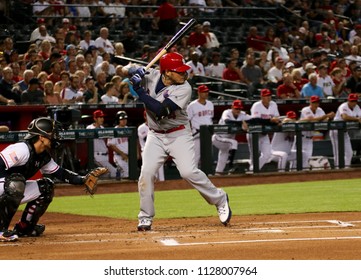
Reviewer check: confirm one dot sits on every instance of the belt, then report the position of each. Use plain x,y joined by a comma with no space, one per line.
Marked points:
101,154
307,137
170,130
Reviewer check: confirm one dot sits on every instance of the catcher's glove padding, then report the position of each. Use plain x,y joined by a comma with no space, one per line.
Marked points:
91,179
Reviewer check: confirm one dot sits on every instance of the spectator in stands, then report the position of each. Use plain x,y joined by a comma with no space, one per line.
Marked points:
23,84
71,94
232,71
289,67
197,38
87,41
288,89
339,81
356,32
72,67
254,40
124,93
54,57
268,38
119,49
8,47
354,56
36,33
197,68
90,94
311,113
277,47
226,144
33,95
42,77
347,111
79,60
311,88
84,13
103,43
101,80
45,49
166,18
6,85
212,40
267,111
42,8
325,81
130,43
101,153
50,97
110,94
309,69
43,35
252,74
216,68
16,72
352,81
275,73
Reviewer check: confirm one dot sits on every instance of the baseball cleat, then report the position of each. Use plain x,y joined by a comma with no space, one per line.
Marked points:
224,212
8,236
145,225
37,230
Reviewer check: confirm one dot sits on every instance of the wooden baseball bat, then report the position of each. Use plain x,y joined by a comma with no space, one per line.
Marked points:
175,39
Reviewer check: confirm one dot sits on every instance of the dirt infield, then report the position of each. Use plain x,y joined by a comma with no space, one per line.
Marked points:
299,236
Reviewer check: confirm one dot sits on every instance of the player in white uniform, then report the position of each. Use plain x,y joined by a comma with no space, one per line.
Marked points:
200,112
18,163
347,111
312,113
119,146
166,94
267,110
282,143
101,156
226,144
143,131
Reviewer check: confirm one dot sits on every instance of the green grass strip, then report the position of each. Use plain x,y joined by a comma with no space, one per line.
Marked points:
305,197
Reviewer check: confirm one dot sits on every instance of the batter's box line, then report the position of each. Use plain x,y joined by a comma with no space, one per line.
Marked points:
173,242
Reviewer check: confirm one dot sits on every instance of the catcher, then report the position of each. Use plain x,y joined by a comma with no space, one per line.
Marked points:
21,161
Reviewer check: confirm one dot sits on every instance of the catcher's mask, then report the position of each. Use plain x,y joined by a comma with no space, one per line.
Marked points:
45,127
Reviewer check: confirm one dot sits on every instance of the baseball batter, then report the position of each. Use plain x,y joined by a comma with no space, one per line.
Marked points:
265,109
119,146
347,111
166,94
312,113
200,112
101,157
18,163
226,144
143,131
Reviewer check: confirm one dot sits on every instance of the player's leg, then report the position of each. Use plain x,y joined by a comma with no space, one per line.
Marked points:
348,150
281,158
38,195
307,150
197,150
223,145
334,142
154,156
103,161
11,194
265,149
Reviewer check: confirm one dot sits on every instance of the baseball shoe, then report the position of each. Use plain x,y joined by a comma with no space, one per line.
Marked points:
8,236
23,229
145,225
224,212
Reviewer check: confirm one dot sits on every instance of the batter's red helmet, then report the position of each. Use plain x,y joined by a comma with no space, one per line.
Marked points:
173,62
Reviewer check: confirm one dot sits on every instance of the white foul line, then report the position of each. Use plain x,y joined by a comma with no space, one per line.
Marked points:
173,242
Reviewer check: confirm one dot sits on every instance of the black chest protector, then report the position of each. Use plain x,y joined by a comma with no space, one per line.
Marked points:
34,163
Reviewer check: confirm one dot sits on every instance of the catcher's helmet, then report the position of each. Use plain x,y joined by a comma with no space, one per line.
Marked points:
174,62
121,115
44,127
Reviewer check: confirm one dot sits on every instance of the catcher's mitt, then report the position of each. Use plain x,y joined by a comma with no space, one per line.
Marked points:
91,179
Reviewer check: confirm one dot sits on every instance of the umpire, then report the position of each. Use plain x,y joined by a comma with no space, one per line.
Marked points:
18,163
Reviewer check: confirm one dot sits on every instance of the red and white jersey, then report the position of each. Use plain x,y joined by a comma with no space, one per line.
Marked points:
345,109
143,130
306,113
200,114
228,115
282,141
258,110
99,144
18,154
179,94
121,143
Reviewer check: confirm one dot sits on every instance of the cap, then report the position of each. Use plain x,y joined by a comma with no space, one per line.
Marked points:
291,115
92,47
237,104
65,20
310,66
40,20
291,50
279,59
265,92
206,23
98,114
203,88
72,27
352,97
70,46
314,98
34,81
289,65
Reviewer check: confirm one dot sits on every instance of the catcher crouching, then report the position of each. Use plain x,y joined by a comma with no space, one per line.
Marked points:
21,161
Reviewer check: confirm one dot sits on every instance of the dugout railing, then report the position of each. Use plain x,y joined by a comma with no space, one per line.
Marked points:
206,132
